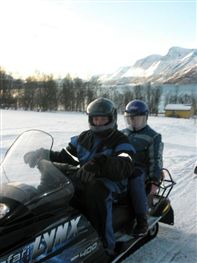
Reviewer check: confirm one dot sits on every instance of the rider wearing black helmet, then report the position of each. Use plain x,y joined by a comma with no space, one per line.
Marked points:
102,107
149,149
105,156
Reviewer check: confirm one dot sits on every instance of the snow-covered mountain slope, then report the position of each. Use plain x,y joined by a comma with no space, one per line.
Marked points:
178,65
189,75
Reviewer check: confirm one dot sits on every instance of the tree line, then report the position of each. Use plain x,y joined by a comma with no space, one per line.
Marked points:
43,92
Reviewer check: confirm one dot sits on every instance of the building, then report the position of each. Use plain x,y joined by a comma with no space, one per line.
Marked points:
179,110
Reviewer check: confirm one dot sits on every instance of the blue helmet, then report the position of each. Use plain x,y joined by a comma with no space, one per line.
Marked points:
136,108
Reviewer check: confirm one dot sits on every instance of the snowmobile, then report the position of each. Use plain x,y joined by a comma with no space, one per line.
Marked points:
38,224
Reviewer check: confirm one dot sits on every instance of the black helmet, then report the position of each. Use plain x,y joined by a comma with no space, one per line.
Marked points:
136,108
102,107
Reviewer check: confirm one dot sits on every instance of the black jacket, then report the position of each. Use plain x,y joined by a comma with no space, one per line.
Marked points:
113,154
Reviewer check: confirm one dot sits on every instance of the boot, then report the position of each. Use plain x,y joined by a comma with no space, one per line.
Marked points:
141,229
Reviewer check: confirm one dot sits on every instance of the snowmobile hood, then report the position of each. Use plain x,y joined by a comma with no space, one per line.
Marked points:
25,189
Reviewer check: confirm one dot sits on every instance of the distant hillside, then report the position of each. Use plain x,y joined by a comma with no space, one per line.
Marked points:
179,65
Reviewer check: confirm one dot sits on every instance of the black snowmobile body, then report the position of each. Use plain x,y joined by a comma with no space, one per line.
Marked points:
39,225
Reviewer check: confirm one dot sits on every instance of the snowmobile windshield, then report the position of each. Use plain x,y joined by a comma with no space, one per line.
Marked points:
26,171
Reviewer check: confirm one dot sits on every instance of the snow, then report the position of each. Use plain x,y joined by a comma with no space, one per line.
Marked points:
140,72
174,244
187,56
178,52
178,107
134,72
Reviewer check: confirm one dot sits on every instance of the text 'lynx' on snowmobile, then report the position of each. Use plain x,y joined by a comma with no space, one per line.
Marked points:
38,224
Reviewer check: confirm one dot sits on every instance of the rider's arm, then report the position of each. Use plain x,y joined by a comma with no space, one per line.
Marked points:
155,159
62,157
118,166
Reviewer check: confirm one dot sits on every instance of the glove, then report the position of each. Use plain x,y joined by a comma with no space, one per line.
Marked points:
100,160
154,188
88,171
155,183
32,158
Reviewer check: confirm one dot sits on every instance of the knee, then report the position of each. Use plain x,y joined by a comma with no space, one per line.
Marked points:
137,182
96,189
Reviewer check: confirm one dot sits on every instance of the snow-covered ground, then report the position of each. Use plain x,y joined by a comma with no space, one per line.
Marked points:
174,244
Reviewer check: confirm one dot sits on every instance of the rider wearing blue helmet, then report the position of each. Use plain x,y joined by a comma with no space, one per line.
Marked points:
136,114
149,149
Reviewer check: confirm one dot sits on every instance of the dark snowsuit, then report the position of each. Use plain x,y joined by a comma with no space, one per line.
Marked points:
149,149
113,154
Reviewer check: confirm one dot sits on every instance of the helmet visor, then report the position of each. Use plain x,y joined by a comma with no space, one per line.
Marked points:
101,123
135,123
134,113
100,120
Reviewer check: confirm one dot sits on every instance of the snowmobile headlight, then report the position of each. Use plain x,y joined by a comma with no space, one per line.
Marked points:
4,210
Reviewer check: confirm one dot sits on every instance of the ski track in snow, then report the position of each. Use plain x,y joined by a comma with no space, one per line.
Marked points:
173,244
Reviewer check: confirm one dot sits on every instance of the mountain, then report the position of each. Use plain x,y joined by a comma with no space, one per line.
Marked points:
179,65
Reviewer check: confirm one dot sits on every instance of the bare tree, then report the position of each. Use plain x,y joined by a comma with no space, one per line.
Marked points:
6,85
138,92
29,96
47,93
67,94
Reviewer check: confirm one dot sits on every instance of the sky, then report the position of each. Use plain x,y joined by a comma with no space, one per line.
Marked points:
85,38
173,244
